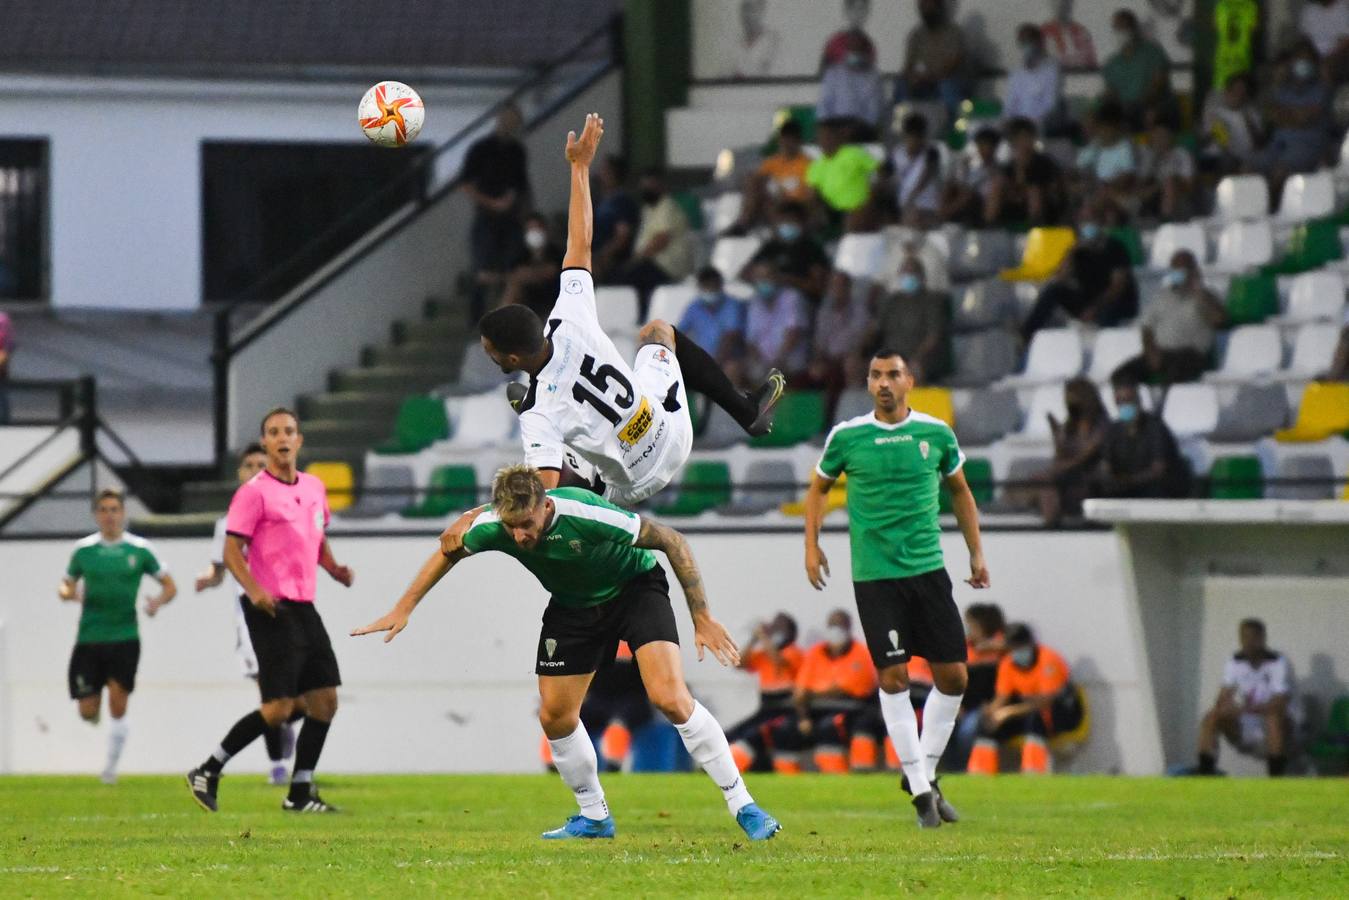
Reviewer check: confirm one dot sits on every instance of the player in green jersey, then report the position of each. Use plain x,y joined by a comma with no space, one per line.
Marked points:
894,458
110,565
606,585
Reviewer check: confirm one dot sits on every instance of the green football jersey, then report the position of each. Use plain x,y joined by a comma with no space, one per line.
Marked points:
586,554
894,472
112,575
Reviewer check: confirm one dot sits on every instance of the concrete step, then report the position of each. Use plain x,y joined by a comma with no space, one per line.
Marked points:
392,379
342,431
208,496
419,353
447,328
372,407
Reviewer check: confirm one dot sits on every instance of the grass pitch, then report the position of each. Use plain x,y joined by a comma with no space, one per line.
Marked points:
844,836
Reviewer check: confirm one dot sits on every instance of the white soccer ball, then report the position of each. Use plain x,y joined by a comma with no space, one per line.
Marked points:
391,114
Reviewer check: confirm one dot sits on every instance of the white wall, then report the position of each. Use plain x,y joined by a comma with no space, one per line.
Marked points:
456,691
125,224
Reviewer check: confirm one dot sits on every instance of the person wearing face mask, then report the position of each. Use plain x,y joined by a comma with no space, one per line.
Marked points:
1326,24
1096,283
934,60
851,90
841,325
1300,114
1140,457
1035,87
533,280
1178,327
781,178
1108,164
1068,40
965,195
1138,74
915,322
717,322
1077,451
852,38
1034,699
1030,186
773,656
1165,174
777,329
793,253
664,248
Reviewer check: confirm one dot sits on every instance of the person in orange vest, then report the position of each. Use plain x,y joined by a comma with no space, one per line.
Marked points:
775,658
1034,698
835,688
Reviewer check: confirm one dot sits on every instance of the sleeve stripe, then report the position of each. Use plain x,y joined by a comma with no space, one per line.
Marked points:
624,521
960,463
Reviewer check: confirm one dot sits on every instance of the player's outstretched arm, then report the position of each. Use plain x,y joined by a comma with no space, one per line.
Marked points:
168,589
396,619
967,517
707,632
580,153
817,499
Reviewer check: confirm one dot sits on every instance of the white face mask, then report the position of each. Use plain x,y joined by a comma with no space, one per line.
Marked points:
836,635
1122,38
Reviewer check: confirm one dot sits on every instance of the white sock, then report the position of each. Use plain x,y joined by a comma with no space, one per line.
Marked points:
116,741
902,726
576,762
939,720
706,743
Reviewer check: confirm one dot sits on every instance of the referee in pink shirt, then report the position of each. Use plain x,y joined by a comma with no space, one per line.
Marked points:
274,544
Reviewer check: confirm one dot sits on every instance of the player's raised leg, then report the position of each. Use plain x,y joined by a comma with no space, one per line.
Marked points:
560,698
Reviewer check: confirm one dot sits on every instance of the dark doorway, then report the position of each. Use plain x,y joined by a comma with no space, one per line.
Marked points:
23,220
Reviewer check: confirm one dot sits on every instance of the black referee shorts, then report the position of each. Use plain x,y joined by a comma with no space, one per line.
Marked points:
577,640
93,665
293,650
917,616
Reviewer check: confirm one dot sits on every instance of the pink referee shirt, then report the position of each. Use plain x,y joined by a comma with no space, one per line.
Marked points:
283,524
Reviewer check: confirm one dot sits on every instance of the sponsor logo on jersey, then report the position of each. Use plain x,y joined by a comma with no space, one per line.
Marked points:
638,425
924,447
650,448
663,356
894,439
553,537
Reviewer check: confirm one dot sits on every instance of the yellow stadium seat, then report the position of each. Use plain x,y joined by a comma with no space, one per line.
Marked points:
837,499
1323,413
934,401
1045,252
340,481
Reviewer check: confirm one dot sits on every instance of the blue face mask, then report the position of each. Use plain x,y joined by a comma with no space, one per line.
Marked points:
789,231
1023,657
910,283
1128,412
1174,278
766,289
1090,231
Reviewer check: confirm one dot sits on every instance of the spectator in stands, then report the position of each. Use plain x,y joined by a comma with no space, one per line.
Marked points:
758,43
533,280
1068,40
1166,174
1029,188
496,178
1233,129
836,49
795,255
1140,457
841,327
777,329
1300,113
1035,88
985,645
617,218
934,60
1178,327
1326,24
1108,165
965,198
780,178
1077,451
851,90
717,322
6,354
665,242
772,654
1254,709
1034,699
1138,74
914,174
915,322
1096,283
841,176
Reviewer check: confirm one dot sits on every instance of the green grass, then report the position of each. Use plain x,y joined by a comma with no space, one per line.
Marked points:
844,836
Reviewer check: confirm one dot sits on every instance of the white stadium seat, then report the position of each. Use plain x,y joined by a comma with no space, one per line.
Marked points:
669,301
1243,197
1252,351
1244,245
730,254
1047,400
1172,237
482,420
1114,347
1191,410
1307,197
1315,296
1313,351
617,308
1055,354
726,211
860,255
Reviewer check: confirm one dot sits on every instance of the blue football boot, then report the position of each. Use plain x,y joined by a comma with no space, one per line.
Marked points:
579,826
758,825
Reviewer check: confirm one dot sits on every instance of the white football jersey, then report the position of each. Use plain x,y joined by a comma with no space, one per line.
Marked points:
586,397
1255,683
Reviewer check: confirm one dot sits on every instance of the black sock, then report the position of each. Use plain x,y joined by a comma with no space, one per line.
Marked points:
702,374
1277,765
272,736
296,716
307,749
245,731
1208,764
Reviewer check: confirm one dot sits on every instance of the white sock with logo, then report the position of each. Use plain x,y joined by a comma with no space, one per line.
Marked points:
574,756
117,733
902,726
706,743
939,720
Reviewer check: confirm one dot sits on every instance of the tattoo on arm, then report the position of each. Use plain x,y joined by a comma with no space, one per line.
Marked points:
654,536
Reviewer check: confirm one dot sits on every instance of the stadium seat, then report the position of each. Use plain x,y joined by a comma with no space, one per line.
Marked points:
1024,480
388,488
1313,351
852,403
799,417
1114,347
1045,251
860,255
730,254
1236,478
1315,296
1172,237
483,420
1243,197
837,499
768,483
726,211
1047,400
477,373
934,401
1323,412
1252,298
451,489
669,301
338,479
1054,355
983,304
1309,477
984,357
1308,196
706,484
1313,244
1132,240
421,422
801,114
719,432
617,309
1191,410
979,476
692,207
1256,411
1243,245
980,254
989,415
1330,749
1252,351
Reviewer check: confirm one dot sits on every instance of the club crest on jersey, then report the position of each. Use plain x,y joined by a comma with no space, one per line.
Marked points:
131,562
573,286
550,647
924,448
638,425
576,547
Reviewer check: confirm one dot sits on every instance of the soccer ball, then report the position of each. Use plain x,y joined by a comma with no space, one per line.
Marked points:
391,114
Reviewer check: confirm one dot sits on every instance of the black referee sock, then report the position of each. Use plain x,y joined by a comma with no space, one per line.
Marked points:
308,747
702,374
272,737
245,731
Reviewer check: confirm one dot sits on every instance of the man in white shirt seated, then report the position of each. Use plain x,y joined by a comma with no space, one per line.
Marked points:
1254,707
1035,89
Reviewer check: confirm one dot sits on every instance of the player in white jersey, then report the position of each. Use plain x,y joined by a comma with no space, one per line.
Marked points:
1257,707
630,422
280,741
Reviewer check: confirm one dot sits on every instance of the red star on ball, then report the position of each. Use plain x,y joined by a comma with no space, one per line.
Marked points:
390,111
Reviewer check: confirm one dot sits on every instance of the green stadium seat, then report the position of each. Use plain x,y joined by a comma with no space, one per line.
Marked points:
799,417
1236,478
452,489
979,476
421,422
1314,244
803,115
1252,298
706,485
1132,241
1331,748
692,207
